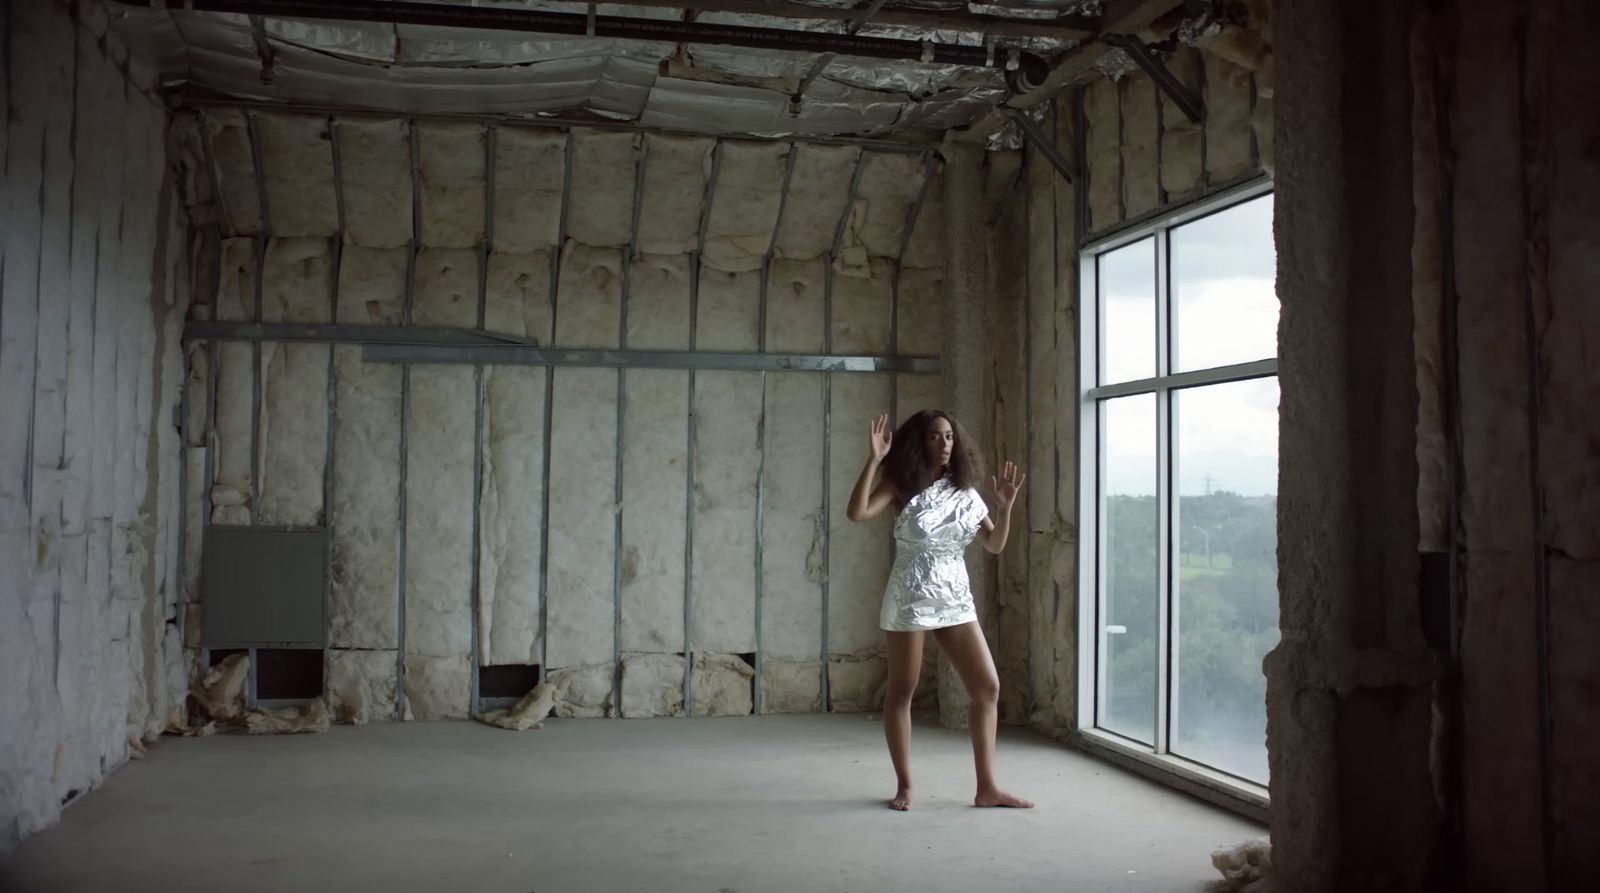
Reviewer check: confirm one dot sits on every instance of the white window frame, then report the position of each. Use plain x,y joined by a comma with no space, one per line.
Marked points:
1187,773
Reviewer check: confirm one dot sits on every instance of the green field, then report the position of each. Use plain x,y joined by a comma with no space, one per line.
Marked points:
1192,566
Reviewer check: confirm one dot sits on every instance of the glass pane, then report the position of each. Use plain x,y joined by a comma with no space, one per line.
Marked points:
1128,289
1224,298
1226,594
1128,610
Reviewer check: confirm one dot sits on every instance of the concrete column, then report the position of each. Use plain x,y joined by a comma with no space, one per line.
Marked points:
1349,689
1522,172
962,351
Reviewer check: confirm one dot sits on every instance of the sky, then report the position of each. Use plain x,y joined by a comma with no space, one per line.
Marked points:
1225,311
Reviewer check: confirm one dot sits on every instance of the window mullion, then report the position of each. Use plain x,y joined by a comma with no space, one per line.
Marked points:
1099,319
1091,462
1163,490
1102,615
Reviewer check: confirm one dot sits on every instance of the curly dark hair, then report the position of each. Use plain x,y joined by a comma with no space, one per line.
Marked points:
907,467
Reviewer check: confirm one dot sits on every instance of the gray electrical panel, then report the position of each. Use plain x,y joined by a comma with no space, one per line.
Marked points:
264,587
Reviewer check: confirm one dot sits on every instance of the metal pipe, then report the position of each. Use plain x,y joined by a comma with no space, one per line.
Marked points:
664,30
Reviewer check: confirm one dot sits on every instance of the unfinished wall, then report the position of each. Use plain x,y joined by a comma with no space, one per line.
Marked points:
1143,155
622,518
1467,764
90,373
1137,156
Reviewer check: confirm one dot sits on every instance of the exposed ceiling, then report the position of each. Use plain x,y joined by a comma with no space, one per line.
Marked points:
760,67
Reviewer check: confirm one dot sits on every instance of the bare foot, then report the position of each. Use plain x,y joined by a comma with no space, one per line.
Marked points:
1001,798
901,801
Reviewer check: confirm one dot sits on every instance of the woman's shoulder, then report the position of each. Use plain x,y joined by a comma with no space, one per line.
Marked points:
974,498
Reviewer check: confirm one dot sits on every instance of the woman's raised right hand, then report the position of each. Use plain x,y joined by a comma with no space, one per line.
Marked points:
881,437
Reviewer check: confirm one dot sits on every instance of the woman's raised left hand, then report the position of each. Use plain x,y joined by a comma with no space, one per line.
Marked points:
1008,485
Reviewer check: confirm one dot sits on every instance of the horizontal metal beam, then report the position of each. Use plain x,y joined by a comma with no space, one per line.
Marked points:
1065,26
446,15
202,330
640,359
434,346
1220,375
1043,143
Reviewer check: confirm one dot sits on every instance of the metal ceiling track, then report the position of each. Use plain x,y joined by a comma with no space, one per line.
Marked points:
444,346
581,25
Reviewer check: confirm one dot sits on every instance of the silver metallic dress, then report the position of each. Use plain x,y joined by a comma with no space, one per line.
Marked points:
928,587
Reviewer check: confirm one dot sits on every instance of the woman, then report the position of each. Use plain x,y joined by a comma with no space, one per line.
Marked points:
929,474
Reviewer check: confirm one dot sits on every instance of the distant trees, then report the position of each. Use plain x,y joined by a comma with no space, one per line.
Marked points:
1226,620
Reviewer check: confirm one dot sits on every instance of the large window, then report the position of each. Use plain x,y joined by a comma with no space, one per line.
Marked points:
1180,483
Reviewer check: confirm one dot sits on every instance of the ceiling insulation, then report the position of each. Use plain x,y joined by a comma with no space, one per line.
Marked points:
685,85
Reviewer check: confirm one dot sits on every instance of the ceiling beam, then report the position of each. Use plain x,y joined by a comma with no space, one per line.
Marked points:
1122,17
1069,27
1073,66
447,15
1129,16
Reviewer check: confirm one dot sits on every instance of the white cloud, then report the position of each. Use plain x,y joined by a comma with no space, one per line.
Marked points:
1225,311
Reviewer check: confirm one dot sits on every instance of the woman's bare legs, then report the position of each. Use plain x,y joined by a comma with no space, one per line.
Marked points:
966,650
905,668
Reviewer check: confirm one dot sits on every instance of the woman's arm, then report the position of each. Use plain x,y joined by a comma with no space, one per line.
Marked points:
867,504
993,533
866,500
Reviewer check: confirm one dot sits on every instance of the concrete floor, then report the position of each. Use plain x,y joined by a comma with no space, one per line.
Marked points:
780,803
